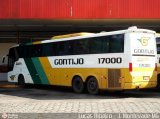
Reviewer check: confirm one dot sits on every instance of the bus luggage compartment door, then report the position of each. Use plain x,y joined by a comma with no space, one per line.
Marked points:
113,78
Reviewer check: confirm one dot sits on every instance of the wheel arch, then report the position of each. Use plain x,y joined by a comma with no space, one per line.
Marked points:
21,74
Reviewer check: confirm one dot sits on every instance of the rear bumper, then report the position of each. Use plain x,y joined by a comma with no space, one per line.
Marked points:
140,85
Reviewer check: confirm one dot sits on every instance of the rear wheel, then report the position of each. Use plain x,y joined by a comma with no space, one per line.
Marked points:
78,85
92,86
21,81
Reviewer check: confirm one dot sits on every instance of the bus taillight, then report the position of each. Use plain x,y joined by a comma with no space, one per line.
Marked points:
130,67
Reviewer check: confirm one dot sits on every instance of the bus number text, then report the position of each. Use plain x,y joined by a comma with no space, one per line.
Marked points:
112,60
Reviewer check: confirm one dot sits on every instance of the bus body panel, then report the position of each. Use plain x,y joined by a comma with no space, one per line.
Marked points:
56,77
20,68
142,57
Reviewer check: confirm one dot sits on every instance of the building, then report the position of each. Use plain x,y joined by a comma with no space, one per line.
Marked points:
30,20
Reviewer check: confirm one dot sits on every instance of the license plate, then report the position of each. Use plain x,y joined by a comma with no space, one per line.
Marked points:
145,77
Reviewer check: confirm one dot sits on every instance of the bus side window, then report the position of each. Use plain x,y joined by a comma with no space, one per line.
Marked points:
69,47
20,51
28,51
96,45
36,50
116,43
82,46
78,48
63,48
105,44
48,49
158,48
16,54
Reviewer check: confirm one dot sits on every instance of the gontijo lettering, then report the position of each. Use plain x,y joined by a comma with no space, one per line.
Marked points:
144,51
69,61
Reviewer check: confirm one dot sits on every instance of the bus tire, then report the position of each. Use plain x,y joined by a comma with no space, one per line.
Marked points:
77,84
21,81
92,86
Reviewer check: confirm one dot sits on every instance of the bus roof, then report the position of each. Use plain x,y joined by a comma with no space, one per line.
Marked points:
80,35
71,35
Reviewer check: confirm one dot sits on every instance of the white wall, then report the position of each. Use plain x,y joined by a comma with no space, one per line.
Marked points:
3,76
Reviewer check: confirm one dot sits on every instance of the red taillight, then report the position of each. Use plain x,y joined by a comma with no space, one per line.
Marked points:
155,66
130,67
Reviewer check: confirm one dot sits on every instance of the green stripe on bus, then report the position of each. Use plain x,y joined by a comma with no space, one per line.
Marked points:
32,70
40,70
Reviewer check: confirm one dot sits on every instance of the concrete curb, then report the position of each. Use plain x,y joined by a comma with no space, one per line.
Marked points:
7,85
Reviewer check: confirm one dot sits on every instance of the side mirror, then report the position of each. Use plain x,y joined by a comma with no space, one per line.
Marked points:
3,59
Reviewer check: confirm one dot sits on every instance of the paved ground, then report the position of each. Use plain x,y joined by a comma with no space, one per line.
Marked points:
57,100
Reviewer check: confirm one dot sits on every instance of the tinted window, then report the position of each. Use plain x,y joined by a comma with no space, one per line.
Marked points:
158,45
116,43
35,51
96,45
48,49
158,48
61,48
81,46
69,47
107,44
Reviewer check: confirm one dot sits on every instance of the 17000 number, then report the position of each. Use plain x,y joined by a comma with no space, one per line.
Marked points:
110,60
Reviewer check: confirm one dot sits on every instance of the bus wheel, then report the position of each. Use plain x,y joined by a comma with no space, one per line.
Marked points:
77,85
92,86
21,82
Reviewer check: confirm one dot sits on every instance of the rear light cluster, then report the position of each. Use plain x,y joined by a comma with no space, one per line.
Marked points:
130,67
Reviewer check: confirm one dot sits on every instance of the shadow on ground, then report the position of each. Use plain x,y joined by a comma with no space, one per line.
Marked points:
64,93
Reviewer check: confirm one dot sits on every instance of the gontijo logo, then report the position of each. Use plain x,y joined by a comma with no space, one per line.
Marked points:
144,40
12,77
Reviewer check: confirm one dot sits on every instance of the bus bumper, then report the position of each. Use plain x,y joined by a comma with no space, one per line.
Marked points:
140,85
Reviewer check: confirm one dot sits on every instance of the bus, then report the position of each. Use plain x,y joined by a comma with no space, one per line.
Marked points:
116,60
158,59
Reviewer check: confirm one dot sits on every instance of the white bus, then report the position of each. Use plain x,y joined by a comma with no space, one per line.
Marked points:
116,60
